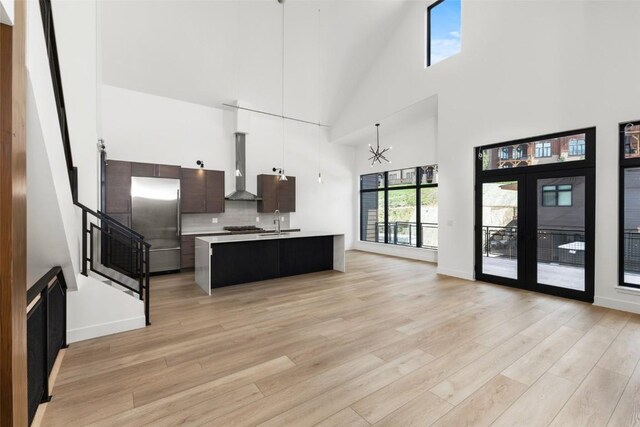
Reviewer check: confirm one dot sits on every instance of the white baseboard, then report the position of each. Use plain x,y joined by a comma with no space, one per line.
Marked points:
93,331
398,251
617,304
460,274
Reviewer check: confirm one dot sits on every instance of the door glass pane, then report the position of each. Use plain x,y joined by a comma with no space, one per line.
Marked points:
632,226
372,216
500,229
560,233
402,217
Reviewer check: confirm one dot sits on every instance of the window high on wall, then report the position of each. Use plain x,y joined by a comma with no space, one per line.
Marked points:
443,30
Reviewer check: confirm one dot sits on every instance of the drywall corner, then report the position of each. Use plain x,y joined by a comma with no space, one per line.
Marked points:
96,309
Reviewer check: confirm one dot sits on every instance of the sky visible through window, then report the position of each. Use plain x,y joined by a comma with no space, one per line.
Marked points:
445,30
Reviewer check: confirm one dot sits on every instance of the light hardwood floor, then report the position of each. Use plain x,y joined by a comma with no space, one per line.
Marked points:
389,343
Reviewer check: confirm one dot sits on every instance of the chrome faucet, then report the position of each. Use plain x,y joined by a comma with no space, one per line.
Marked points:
276,221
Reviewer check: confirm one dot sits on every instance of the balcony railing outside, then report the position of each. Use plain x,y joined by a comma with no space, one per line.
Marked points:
631,251
406,234
503,242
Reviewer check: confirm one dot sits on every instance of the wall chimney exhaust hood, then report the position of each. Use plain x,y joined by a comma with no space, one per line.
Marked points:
241,192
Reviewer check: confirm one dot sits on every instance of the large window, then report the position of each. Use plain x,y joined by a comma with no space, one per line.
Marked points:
400,207
443,30
629,251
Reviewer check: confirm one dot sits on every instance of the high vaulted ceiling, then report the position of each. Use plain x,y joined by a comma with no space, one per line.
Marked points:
214,51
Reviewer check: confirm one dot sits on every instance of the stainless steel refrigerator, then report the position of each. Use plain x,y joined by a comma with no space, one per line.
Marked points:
155,213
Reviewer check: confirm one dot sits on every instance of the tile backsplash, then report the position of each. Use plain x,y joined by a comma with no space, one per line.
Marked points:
235,213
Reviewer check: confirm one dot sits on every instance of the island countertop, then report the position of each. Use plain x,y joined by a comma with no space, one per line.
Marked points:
229,238
227,232
241,258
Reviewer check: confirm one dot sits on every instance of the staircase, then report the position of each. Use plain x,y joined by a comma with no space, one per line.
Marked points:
111,251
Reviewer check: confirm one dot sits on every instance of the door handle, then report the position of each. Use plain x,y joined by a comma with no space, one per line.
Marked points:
179,225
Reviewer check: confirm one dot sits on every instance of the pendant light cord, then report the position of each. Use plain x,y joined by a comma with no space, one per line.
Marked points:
282,87
319,98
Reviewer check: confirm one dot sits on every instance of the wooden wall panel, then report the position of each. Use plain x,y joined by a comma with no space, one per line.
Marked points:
13,227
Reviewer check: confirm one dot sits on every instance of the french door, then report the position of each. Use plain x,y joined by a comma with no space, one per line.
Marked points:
535,229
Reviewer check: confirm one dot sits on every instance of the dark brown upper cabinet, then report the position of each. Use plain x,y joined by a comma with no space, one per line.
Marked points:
153,170
118,187
215,191
276,194
202,191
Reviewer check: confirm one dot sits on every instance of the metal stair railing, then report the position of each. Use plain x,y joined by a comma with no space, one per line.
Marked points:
114,251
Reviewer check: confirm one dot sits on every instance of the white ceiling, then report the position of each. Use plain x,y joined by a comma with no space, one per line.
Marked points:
214,51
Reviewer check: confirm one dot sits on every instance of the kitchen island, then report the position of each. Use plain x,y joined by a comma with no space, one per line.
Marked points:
231,260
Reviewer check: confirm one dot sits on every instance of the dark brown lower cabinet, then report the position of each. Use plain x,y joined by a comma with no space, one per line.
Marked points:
187,248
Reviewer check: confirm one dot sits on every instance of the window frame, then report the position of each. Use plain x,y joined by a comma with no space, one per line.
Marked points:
386,189
517,153
546,147
428,30
556,192
581,144
624,164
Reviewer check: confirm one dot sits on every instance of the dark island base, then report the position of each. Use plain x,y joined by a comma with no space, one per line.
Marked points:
243,262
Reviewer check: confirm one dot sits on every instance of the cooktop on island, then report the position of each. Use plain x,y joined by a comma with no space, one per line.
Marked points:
243,229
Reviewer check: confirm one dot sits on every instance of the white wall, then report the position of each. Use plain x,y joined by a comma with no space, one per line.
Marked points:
147,128
76,32
97,309
526,68
47,245
6,12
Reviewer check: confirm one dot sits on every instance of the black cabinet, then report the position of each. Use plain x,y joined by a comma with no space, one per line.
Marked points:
243,262
252,261
305,255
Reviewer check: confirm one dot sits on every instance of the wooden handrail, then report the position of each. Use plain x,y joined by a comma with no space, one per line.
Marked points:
44,282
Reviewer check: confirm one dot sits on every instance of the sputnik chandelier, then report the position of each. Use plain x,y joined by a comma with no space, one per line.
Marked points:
377,154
